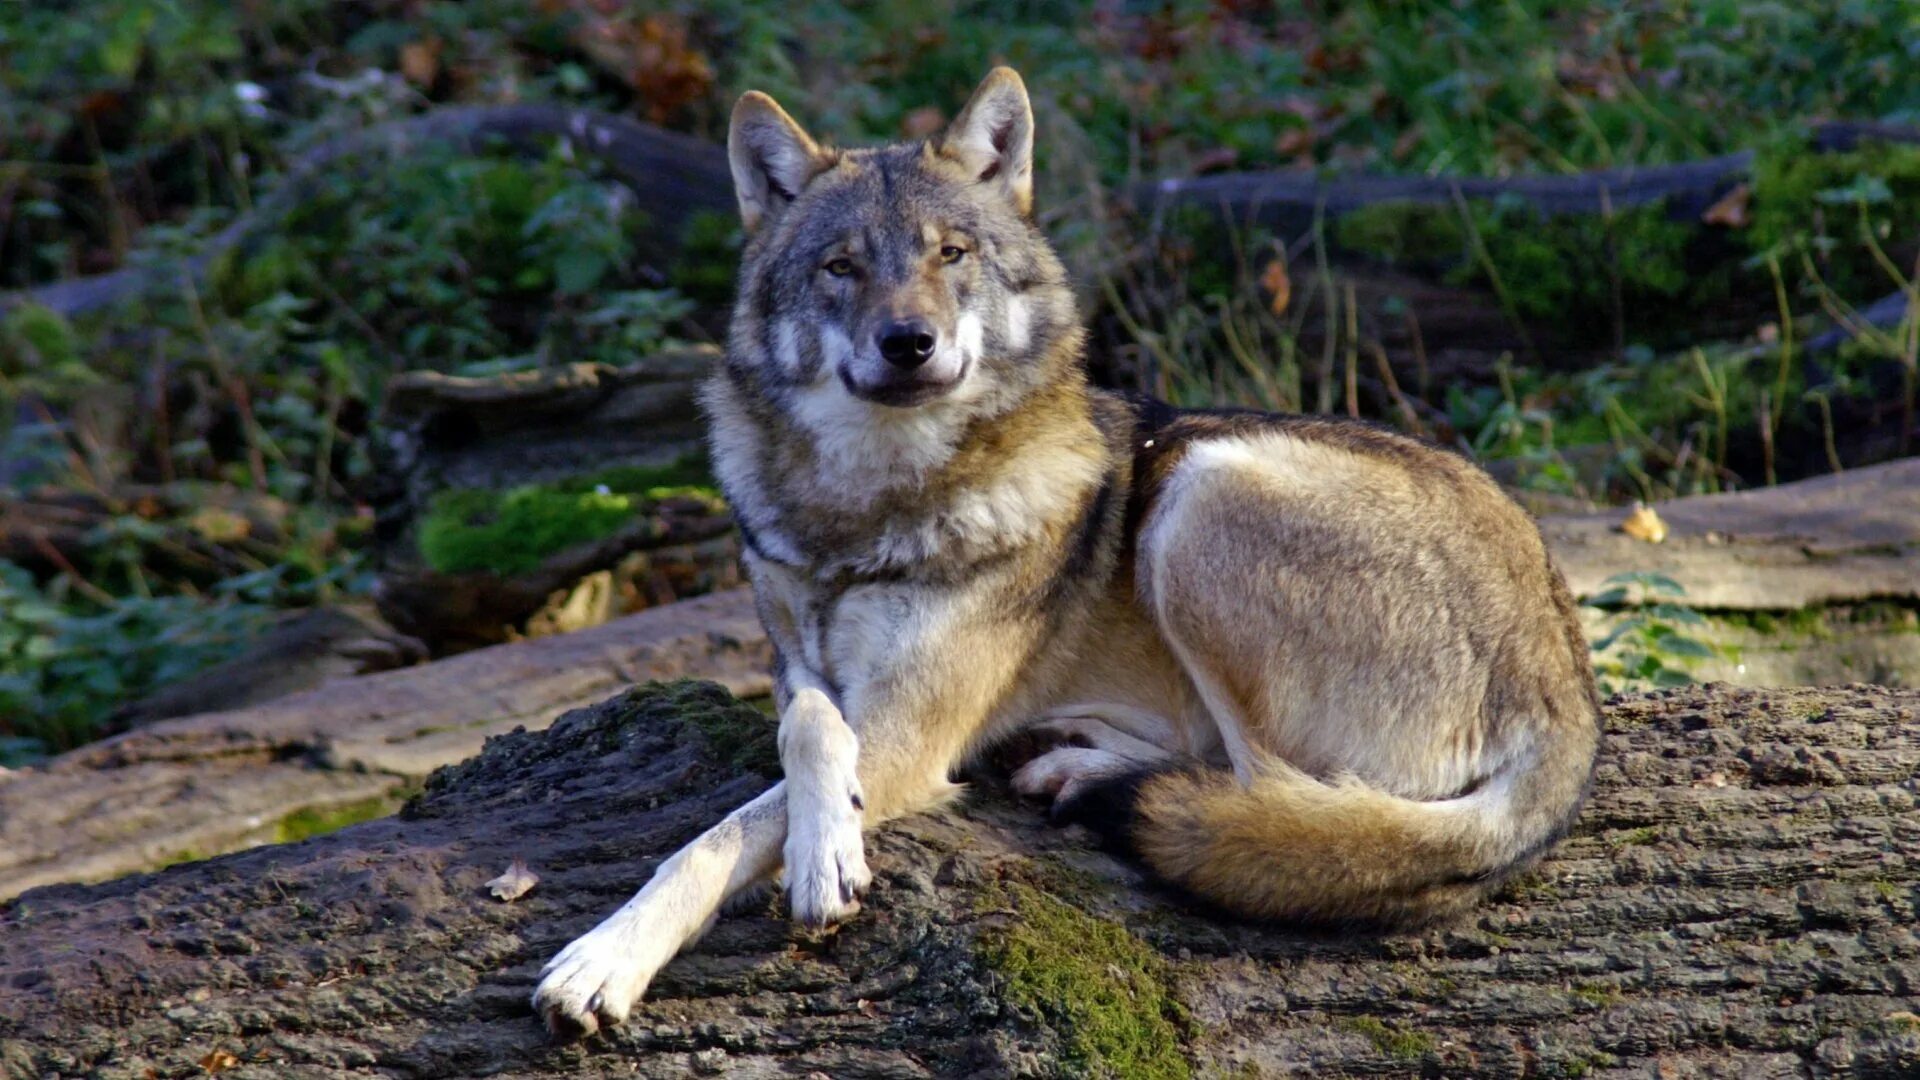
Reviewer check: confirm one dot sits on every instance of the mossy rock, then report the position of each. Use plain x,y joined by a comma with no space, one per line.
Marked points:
1101,987
512,531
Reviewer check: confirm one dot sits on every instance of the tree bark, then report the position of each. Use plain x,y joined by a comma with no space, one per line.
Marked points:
1738,898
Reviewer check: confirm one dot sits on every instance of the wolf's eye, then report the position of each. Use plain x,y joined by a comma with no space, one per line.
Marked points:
840,267
951,254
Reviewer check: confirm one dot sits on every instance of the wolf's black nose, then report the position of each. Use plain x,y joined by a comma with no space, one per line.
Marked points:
907,343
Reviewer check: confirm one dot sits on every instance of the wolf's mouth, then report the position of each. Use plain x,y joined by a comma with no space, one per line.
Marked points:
904,392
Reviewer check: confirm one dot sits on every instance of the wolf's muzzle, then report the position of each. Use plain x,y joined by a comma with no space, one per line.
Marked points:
907,343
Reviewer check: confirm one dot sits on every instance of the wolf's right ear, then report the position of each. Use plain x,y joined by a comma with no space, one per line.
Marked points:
772,157
992,138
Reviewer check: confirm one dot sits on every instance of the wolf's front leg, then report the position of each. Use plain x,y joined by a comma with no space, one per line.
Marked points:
826,861
597,979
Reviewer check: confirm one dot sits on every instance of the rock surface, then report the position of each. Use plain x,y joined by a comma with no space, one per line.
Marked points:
1737,900
200,785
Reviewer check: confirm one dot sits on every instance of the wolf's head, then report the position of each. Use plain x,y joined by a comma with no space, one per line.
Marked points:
909,279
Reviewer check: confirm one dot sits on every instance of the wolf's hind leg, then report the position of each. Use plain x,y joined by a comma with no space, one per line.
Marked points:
1093,748
596,980
1135,734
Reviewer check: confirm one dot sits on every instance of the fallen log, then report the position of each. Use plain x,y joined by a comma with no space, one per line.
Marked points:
194,786
1847,537
1738,899
1293,199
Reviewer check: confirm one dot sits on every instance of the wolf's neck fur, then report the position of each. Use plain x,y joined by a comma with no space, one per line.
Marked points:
823,482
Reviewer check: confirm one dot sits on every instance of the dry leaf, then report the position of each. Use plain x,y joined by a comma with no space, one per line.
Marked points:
668,71
1644,524
1294,142
219,525
1216,159
1279,286
1732,209
420,61
217,1060
515,883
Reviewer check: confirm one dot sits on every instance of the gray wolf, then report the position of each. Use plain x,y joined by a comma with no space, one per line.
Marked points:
1307,669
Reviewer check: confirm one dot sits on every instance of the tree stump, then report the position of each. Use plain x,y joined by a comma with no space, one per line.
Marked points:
1738,899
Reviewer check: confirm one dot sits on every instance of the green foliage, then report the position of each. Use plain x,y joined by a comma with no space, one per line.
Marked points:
1647,641
513,531
65,666
37,343
1425,88
1825,206
414,263
709,254
1546,266
1103,988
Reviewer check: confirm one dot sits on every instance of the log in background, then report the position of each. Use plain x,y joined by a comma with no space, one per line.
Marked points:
1737,900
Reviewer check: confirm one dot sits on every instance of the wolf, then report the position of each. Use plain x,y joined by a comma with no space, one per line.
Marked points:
1307,669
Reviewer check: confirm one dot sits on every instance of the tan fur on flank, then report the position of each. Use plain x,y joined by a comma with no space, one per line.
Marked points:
1306,668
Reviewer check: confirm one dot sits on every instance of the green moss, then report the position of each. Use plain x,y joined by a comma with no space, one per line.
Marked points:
683,475
1597,994
513,531
737,732
318,821
1530,886
1090,978
1640,837
1397,1043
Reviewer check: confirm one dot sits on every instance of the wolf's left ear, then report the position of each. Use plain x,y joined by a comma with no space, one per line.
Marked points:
771,156
992,138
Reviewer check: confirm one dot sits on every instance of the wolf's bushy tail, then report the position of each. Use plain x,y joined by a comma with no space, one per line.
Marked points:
1289,846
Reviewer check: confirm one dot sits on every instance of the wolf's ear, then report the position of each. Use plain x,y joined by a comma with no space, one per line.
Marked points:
772,157
992,138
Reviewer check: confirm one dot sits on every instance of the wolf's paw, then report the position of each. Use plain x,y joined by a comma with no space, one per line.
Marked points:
1061,775
826,860
593,982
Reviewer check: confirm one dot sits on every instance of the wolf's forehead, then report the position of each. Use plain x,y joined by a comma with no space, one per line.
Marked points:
886,197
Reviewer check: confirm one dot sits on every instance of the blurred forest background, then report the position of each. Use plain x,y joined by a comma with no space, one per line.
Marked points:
226,442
